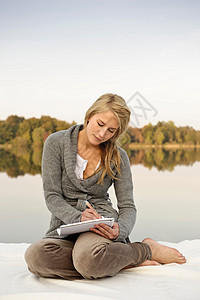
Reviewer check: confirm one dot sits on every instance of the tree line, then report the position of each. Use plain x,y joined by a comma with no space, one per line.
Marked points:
21,144
163,133
18,131
25,137
30,130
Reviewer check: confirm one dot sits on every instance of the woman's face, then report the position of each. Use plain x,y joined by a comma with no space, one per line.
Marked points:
101,127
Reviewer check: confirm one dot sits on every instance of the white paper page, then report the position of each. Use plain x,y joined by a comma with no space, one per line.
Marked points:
65,230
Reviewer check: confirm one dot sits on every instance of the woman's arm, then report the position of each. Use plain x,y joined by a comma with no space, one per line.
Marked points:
127,211
124,193
52,178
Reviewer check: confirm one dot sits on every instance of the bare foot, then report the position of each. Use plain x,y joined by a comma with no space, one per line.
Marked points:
145,263
164,254
149,263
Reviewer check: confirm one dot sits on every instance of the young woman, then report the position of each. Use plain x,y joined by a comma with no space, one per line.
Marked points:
80,164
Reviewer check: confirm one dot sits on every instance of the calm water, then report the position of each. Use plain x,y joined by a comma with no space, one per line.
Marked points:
168,205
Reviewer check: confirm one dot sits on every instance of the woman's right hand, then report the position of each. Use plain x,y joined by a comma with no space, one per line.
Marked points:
90,214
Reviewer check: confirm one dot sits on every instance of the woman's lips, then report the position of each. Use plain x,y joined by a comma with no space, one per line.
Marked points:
97,138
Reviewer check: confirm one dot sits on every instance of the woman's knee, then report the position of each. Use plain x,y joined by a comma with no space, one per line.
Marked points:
44,256
37,257
88,258
52,258
85,263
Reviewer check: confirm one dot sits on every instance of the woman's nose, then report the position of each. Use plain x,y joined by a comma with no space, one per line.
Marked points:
102,132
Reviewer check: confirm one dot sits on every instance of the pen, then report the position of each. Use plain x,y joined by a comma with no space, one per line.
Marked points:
88,204
95,213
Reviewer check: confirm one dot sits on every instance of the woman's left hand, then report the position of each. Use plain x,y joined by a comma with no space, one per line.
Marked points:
106,231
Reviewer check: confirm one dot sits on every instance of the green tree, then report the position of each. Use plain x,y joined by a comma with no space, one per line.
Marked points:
178,137
37,145
198,137
9,127
170,130
48,124
148,133
190,137
159,136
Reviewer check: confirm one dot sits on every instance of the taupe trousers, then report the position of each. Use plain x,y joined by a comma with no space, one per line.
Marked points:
89,256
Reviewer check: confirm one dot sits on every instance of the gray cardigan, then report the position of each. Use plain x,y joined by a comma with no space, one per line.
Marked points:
65,193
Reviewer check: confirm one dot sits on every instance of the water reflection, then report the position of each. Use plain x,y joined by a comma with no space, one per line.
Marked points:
164,159
15,165
167,204
161,158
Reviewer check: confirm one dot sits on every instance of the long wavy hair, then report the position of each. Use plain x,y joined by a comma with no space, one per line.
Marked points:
109,149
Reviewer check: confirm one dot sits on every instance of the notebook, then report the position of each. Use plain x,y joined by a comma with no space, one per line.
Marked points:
65,230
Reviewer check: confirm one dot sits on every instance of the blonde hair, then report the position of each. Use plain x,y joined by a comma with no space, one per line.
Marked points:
109,149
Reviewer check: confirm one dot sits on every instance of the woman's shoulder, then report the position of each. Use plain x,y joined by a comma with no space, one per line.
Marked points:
123,155
59,136
122,151
56,136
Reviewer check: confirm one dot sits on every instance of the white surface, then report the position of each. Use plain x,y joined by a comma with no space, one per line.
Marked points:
167,282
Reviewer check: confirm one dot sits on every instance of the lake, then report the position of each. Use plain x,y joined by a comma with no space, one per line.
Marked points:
168,204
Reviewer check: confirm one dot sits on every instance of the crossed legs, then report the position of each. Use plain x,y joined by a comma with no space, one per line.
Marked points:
92,256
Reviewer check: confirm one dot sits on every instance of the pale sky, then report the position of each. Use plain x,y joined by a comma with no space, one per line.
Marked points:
58,56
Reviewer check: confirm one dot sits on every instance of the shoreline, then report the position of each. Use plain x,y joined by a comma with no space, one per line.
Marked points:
133,146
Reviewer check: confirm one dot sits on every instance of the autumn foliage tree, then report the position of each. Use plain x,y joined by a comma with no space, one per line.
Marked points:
22,140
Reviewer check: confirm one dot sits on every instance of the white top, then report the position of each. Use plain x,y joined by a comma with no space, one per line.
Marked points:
81,165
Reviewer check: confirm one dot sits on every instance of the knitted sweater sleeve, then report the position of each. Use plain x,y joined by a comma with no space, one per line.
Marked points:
124,194
52,181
